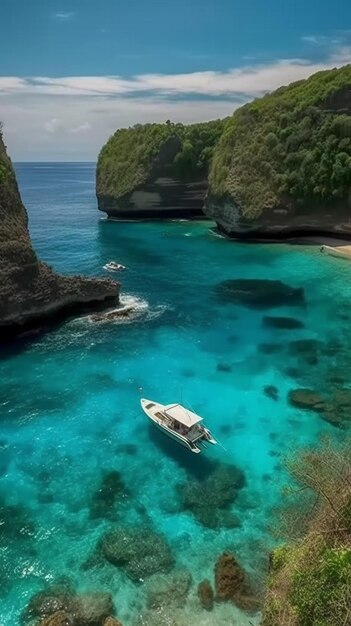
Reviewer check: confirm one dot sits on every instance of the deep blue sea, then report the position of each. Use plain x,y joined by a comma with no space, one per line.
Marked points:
70,401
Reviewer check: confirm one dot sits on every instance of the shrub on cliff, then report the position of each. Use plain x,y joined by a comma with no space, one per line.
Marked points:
290,147
127,159
310,580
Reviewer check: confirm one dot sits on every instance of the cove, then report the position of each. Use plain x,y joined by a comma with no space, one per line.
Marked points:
78,458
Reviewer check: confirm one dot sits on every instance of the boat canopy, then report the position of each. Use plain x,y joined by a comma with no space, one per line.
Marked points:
182,415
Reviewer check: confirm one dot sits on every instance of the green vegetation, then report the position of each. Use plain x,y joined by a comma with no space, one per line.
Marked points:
127,159
292,146
310,580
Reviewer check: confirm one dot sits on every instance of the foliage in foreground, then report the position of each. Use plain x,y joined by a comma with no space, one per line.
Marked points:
126,159
290,147
310,580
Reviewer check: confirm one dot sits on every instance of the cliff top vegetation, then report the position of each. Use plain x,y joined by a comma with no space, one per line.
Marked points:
127,159
294,143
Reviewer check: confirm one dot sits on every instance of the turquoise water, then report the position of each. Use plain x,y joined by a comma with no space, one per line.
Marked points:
70,400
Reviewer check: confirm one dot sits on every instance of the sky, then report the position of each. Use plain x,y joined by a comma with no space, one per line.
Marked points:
73,71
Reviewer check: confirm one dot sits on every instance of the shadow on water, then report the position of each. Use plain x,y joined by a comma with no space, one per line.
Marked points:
196,465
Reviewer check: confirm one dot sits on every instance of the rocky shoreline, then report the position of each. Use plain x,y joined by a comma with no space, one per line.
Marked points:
32,294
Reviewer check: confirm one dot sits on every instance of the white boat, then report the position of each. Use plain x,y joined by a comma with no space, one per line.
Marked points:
113,266
178,423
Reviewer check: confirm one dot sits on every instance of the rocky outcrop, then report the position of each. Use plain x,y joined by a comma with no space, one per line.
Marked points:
31,294
281,168
231,584
206,595
156,171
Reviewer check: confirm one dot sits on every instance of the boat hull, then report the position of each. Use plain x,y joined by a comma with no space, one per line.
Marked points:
182,441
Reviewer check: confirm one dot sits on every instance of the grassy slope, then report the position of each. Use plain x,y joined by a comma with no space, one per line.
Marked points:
289,146
310,580
126,159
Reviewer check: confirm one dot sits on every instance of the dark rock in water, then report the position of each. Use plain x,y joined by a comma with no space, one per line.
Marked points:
61,606
293,372
231,584
187,373
306,349
140,553
229,578
269,348
112,621
15,522
91,609
233,339
165,591
60,618
226,429
260,294
128,448
224,367
207,498
271,392
283,323
206,595
112,488
307,399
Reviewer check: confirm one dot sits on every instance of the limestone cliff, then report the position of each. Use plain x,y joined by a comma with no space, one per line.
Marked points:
283,163
30,292
156,170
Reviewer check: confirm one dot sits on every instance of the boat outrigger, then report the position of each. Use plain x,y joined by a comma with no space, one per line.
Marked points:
178,423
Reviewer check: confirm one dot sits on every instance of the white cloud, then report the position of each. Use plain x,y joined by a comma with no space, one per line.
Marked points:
64,15
71,117
82,128
54,125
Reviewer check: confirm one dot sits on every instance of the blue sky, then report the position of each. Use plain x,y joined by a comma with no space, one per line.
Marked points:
72,71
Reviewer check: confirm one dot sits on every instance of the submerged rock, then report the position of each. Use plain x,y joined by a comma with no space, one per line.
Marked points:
206,595
209,499
271,392
112,489
62,606
112,621
231,584
269,348
307,399
61,618
140,553
171,590
282,323
91,609
260,294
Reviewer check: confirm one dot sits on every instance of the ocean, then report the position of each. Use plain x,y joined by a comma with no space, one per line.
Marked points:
70,402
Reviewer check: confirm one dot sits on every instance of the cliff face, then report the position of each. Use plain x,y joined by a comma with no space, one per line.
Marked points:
283,163
30,292
156,171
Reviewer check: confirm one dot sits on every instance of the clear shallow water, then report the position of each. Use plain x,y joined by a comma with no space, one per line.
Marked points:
70,400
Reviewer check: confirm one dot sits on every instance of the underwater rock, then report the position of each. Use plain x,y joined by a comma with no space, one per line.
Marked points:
207,498
306,349
115,314
269,348
91,609
140,553
206,595
15,522
229,577
112,488
112,621
224,367
60,618
259,294
48,602
271,392
306,399
282,323
171,590
231,584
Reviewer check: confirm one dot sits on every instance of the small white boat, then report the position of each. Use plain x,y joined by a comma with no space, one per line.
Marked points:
113,266
178,423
